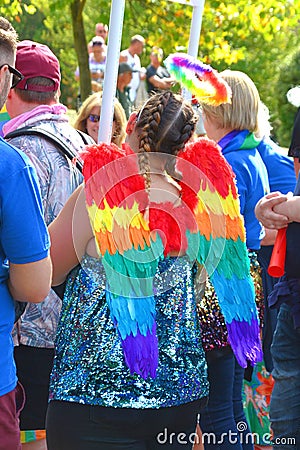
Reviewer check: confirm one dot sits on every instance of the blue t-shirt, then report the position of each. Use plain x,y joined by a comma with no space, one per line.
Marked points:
240,150
280,167
23,238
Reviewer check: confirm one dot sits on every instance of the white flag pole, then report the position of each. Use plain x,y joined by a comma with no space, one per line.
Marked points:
111,70
196,28
198,7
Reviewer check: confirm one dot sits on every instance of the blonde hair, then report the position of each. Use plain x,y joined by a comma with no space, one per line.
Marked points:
119,117
242,112
157,51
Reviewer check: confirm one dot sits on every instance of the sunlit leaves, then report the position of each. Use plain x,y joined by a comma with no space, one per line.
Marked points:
252,36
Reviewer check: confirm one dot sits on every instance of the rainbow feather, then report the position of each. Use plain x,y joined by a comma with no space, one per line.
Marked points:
217,240
200,79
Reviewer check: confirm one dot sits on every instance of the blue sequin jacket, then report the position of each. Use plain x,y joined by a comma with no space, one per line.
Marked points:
89,365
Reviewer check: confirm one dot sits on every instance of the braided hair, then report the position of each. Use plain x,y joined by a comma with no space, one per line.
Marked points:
166,122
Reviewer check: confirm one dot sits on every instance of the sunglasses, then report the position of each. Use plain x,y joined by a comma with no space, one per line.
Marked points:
95,118
16,75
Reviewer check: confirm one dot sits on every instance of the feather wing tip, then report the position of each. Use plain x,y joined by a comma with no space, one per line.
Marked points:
245,341
141,353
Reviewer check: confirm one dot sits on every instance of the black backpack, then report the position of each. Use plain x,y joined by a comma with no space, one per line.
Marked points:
48,135
68,153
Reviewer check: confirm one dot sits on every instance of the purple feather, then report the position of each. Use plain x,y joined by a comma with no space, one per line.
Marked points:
141,353
188,62
245,341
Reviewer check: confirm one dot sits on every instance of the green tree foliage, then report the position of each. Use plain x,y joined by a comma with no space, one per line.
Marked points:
13,9
80,45
289,76
56,30
255,37
260,35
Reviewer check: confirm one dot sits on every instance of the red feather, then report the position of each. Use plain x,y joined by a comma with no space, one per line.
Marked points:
171,222
206,154
112,173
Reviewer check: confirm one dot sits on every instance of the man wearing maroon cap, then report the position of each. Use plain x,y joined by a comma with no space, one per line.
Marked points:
37,60
25,266
35,101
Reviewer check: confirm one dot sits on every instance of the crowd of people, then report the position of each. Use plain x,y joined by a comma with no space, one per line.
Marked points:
135,83
116,349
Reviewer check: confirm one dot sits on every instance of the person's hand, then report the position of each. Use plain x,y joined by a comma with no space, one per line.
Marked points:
265,213
171,81
142,74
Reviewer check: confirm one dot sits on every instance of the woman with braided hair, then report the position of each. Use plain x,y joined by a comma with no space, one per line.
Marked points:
129,369
96,403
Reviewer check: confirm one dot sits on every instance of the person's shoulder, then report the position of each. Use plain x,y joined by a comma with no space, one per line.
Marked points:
11,153
13,160
68,136
124,53
51,133
150,70
241,161
63,130
268,148
163,71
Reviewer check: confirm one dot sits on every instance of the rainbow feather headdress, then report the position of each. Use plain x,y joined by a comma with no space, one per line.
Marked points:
200,79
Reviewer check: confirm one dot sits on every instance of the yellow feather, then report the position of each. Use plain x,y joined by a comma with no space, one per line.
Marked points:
217,204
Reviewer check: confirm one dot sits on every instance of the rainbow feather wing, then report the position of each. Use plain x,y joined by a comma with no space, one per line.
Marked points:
217,240
199,78
116,202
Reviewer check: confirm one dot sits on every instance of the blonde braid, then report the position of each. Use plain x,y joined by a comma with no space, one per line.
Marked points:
144,164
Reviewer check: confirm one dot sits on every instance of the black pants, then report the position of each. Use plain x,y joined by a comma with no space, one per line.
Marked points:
72,426
33,369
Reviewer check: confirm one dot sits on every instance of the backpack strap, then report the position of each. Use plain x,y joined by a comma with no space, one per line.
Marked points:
53,138
86,138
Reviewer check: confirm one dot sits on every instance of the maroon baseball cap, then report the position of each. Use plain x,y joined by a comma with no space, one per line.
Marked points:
37,60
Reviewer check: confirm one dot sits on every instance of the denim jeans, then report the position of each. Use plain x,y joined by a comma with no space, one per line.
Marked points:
285,399
223,422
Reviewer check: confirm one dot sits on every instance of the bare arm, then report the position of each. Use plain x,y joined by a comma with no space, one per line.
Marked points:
30,282
290,208
161,83
123,57
269,238
70,234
